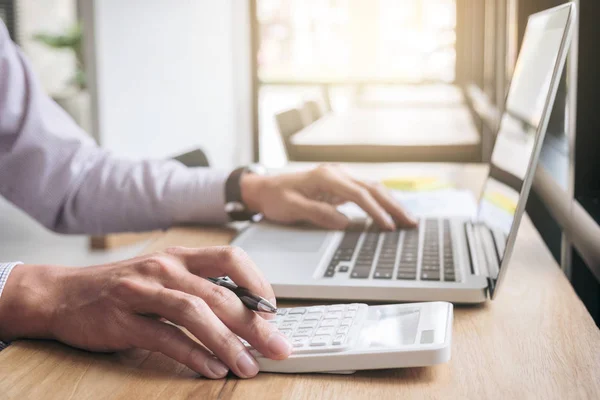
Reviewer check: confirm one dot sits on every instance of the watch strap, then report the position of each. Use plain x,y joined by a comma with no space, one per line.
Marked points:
234,203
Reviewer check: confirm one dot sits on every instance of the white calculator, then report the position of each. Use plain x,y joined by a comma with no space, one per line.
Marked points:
344,338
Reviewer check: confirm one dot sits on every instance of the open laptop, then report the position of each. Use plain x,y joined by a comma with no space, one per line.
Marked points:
455,259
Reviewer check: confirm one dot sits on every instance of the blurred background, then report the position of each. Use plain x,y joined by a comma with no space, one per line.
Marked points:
228,83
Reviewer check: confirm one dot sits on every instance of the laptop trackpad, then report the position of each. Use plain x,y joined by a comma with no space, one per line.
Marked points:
283,239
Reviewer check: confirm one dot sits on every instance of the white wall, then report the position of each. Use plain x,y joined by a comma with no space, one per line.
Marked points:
165,80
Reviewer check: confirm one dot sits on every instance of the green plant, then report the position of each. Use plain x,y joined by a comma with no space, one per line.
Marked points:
72,39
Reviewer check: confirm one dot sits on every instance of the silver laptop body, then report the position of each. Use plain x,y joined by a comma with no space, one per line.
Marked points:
454,259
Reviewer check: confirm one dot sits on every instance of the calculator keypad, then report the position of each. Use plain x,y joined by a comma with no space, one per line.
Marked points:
320,328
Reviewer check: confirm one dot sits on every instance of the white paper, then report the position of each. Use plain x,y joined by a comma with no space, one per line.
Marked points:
448,203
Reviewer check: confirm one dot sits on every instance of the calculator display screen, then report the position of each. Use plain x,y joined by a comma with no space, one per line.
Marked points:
391,328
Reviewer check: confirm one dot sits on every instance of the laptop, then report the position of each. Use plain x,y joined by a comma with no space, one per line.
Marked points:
462,260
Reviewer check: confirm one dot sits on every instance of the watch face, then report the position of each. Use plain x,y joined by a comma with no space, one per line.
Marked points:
257,169
234,207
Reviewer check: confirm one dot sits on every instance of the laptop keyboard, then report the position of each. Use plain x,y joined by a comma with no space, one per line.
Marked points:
402,255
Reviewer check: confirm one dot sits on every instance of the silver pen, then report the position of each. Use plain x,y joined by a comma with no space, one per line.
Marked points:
253,301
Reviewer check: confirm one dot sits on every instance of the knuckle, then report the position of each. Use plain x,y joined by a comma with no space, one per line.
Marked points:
232,254
258,327
362,194
156,264
323,170
165,336
174,250
123,288
378,186
192,306
229,342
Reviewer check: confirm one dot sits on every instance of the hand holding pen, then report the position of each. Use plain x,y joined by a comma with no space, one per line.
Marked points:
253,301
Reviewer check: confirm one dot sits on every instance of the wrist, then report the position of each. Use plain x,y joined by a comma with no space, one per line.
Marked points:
251,186
28,302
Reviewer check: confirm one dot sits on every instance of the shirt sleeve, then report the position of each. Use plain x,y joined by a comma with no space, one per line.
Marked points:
52,170
5,270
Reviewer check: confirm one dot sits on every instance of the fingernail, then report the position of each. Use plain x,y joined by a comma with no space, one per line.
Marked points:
218,369
390,222
279,345
247,364
273,301
413,219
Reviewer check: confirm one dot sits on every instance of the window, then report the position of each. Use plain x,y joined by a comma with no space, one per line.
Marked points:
396,40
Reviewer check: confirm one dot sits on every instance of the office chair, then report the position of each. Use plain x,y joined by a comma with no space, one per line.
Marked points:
311,112
289,123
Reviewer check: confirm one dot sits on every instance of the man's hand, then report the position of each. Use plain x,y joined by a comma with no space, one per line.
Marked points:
312,196
126,305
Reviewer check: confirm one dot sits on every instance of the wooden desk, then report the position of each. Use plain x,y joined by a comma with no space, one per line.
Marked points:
535,341
420,134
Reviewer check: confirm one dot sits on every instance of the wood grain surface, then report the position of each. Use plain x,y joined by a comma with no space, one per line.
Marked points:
535,341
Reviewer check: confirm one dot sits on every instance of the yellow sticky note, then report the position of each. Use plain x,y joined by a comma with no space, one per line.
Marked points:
501,201
415,183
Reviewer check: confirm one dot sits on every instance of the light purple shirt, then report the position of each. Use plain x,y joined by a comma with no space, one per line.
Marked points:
55,172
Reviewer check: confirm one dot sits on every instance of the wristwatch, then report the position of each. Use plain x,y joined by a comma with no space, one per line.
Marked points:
234,204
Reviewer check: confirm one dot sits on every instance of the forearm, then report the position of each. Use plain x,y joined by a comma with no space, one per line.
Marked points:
117,195
52,170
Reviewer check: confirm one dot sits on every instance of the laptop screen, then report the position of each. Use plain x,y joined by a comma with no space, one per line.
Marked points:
522,128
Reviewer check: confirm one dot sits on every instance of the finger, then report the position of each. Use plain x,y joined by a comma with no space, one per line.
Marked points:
235,315
195,315
318,213
225,260
172,342
345,187
383,197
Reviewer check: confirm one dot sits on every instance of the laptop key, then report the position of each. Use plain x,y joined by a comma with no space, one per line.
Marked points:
430,276
382,275
329,273
360,274
406,276
344,268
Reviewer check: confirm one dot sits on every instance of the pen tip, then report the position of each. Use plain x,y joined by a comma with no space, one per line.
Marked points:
268,308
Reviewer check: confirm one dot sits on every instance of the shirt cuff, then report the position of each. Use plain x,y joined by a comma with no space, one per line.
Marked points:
200,197
5,270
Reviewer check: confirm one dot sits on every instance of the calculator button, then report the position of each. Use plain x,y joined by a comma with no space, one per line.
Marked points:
346,322
312,317
332,315
319,341
297,311
299,341
286,332
291,318
282,311
343,330
328,322
288,325
338,339
303,332
325,331
308,325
